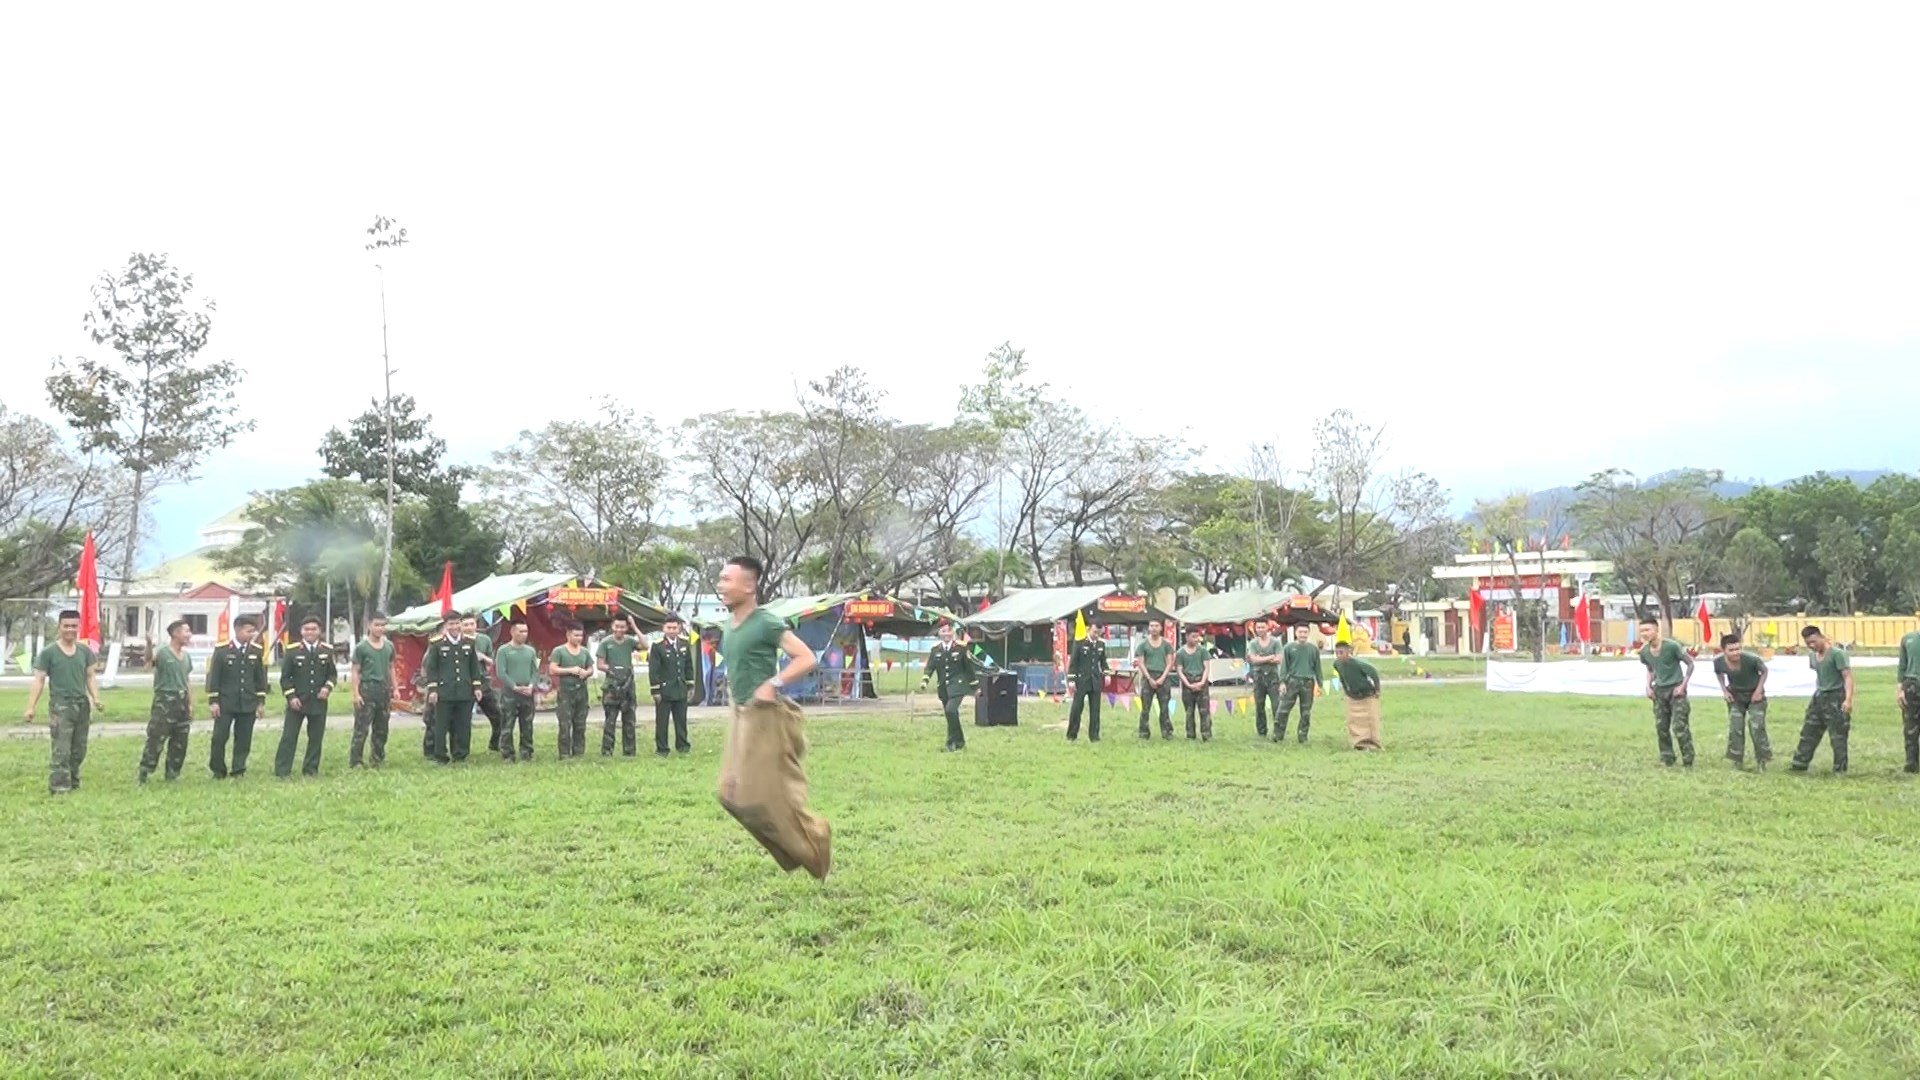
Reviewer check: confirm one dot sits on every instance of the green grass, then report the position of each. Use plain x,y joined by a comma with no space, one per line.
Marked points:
1513,888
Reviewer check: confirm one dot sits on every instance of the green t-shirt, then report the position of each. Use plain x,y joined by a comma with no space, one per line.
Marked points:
1910,657
1827,669
565,657
1358,679
1273,647
1666,663
170,672
515,664
374,663
1300,660
619,654
66,675
1193,664
482,644
752,652
1153,658
1744,679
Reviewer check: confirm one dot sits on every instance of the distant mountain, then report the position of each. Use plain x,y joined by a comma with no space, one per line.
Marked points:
1554,504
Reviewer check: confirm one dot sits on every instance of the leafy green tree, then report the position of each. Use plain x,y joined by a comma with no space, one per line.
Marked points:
436,530
156,408
1754,567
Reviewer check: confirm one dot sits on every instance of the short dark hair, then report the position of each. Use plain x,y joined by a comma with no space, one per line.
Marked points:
69,614
175,625
1729,639
518,622
311,620
672,620
246,620
1650,621
378,616
618,617
1809,632
575,628
748,562
1338,645
452,616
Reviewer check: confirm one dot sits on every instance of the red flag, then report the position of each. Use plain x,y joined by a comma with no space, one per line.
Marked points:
280,620
1706,623
87,583
223,631
985,603
445,595
1582,627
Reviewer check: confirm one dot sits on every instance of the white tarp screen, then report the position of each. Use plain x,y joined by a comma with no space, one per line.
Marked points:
1787,676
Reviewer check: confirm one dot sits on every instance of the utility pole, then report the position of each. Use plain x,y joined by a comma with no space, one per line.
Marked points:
386,233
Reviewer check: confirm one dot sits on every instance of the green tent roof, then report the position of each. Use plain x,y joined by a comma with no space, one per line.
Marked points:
1033,607
1238,606
501,589
909,620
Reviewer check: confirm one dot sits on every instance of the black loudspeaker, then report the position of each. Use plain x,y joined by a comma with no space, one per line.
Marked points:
996,703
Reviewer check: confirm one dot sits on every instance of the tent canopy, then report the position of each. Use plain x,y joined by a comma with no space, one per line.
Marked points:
506,590
1245,605
1036,607
882,614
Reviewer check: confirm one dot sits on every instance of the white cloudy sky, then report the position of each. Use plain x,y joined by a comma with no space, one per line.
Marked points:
1532,240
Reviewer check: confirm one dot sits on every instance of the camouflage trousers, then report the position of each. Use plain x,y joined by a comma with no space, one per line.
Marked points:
516,711
371,717
1910,723
1198,703
618,701
1673,723
168,723
1264,694
1824,717
1298,691
571,709
67,722
1149,696
1743,715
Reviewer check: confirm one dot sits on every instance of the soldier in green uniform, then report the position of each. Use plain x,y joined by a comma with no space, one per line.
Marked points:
488,703
670,677
1669,669
953,669
170,719
307,675
455,677
66,667
1907,695
1830,713
518,666
372,673
1154,660
1196,694
236,685
1263,660
1087,674
615,659
1300,670
570,666
1743,682
1361,684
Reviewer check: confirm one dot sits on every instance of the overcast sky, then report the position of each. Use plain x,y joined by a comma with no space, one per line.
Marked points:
1531,240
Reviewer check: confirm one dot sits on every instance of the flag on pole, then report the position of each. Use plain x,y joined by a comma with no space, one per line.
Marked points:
87,584
1706,623
1079,626
445,593
1343,634
985,603
1582,625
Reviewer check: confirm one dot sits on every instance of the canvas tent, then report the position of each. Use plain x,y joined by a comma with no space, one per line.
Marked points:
547,602
1028,631
838,627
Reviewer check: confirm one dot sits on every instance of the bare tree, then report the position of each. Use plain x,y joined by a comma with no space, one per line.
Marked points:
600,482
1653,533
387,235
754,468
50,498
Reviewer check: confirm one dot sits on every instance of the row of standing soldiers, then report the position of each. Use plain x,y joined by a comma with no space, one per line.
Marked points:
1284,675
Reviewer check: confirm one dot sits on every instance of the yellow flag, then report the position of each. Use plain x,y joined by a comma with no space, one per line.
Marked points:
1079,625
1344,633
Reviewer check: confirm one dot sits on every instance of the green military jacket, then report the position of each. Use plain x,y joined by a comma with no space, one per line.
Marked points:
454,670
304,672
1087,663
953,670
670,670
237,678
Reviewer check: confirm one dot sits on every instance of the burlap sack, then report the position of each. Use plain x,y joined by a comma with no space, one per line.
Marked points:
764,786
1363,723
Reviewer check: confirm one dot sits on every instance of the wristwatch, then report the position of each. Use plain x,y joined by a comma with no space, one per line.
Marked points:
777,683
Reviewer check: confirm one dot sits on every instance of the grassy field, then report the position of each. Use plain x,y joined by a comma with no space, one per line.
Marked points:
1513,888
